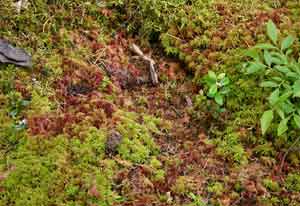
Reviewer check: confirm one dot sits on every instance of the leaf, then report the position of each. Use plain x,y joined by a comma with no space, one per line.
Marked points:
277,79
219,99
280,113
287,107
282,127
254,67
225,81
283,69
212,91
211,78
224,90
268,58
273,98
269,84
296,89
266,120
253,53
221,76
287,42
285,96
297,120
272,31
292,74
281,58
264,46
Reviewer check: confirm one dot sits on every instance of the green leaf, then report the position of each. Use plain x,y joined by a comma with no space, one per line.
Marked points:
277,61
266,120
297,120
224,90
274,97
272,31
253,53
254,67
211,78
296,89
292,74
288,52
268,58
212,91
219,99
282,69
287,43
287,107
280,112
282,59
221,76
265,46
212,75
225,81
282,127
277,79
285,96
269,84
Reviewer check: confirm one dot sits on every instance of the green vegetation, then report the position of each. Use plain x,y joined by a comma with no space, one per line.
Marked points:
280,72
218,86
83,126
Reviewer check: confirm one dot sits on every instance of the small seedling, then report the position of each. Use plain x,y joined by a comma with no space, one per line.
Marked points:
218,86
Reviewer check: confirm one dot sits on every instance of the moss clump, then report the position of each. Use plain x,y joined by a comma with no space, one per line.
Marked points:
57,171
217,188
182,186
231,148
292,182
137,143
271,185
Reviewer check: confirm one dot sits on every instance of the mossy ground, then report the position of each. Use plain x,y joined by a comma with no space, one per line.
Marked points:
176,148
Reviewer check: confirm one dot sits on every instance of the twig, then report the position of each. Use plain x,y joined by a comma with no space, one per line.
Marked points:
287,152
153,74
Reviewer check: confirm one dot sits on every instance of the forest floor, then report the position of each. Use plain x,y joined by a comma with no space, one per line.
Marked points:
85,125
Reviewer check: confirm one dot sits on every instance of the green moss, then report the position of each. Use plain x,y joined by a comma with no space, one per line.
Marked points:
137,143
292,182
231,148
57,171
271,185
182,186
217,188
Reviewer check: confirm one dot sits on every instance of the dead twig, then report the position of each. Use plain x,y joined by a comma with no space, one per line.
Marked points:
153,74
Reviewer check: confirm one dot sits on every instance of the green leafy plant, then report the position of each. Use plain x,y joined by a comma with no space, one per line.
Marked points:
196,200
218,86
279,72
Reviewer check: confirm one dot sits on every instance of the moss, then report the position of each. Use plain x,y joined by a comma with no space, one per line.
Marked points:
41,169
292,182
39,104
271,185
137,143
182,186
231,148
217,188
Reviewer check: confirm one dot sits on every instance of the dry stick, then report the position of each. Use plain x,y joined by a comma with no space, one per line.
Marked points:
287,152
153,74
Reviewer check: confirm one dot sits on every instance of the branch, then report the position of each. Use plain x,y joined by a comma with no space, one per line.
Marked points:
153,74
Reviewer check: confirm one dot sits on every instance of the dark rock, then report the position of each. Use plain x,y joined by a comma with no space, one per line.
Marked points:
13,55
112,143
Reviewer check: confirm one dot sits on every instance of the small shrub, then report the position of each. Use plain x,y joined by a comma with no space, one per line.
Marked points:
218,86
279,73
